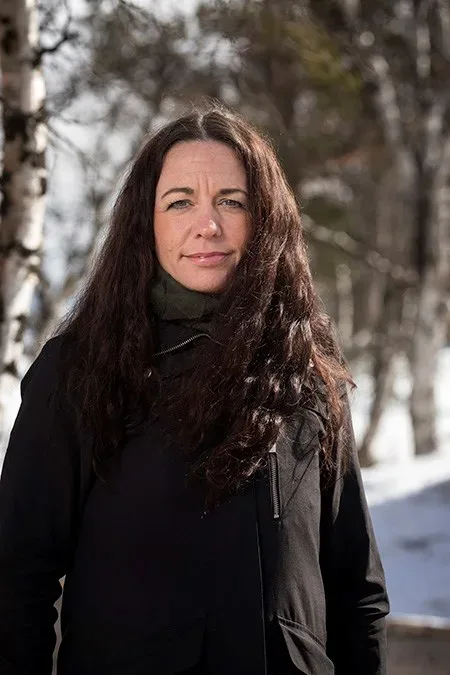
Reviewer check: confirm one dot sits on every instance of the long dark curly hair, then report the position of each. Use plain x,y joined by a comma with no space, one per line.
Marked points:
271,341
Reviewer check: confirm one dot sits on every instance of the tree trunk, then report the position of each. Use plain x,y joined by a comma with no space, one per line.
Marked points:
428,340
345,305
382,373
23,183
432,313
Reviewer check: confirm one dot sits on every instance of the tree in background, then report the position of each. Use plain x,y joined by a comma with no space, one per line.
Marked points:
294,70
23,180
285,72
402,48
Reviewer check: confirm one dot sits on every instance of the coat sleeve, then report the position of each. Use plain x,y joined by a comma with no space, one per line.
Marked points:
355,588
38,504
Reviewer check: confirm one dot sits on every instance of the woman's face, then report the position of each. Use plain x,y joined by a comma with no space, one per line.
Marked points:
201,219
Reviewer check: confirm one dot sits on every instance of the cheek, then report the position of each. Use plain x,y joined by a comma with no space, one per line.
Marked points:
165,244
245,233
165,237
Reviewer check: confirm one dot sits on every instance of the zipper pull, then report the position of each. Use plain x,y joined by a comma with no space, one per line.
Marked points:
274,481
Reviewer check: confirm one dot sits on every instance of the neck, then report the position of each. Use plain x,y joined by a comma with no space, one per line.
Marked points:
172,301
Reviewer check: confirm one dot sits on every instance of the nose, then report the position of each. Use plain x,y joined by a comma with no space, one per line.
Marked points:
209,225
209,229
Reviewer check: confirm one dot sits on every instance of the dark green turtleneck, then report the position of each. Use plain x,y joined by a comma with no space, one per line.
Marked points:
171,301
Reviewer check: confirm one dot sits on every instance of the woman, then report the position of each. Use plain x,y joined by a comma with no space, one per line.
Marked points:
184,452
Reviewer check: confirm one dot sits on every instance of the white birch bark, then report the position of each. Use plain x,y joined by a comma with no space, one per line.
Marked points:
432,314
23,184
428,340
431,319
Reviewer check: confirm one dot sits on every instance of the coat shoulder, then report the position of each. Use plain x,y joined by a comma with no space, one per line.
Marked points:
44,370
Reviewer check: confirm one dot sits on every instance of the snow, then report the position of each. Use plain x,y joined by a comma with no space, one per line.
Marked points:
409,499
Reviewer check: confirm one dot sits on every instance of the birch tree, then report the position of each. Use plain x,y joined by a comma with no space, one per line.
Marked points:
23,180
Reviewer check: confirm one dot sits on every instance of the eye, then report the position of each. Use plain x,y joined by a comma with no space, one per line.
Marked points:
179,204
234,203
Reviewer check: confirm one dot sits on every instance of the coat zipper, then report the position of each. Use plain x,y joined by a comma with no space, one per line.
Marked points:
175,347
274,481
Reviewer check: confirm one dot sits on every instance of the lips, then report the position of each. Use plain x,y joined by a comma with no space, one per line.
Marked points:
211,254
208,259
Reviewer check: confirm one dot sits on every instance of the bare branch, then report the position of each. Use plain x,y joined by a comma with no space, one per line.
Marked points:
332,187
375,65
434,127
350,9
388,105
423,42
81,155
67,35
358,250
443,8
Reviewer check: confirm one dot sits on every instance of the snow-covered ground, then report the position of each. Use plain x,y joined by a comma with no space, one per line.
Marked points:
410,500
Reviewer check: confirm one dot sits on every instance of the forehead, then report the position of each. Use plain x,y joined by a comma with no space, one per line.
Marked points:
192,159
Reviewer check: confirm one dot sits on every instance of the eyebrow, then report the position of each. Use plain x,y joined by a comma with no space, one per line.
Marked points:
190,191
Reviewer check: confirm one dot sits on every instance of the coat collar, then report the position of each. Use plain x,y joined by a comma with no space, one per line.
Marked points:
177,347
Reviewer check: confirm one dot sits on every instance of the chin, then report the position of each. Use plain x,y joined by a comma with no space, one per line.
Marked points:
205,285
206,288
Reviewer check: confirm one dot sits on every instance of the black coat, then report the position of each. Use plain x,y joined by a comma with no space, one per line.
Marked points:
283,577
